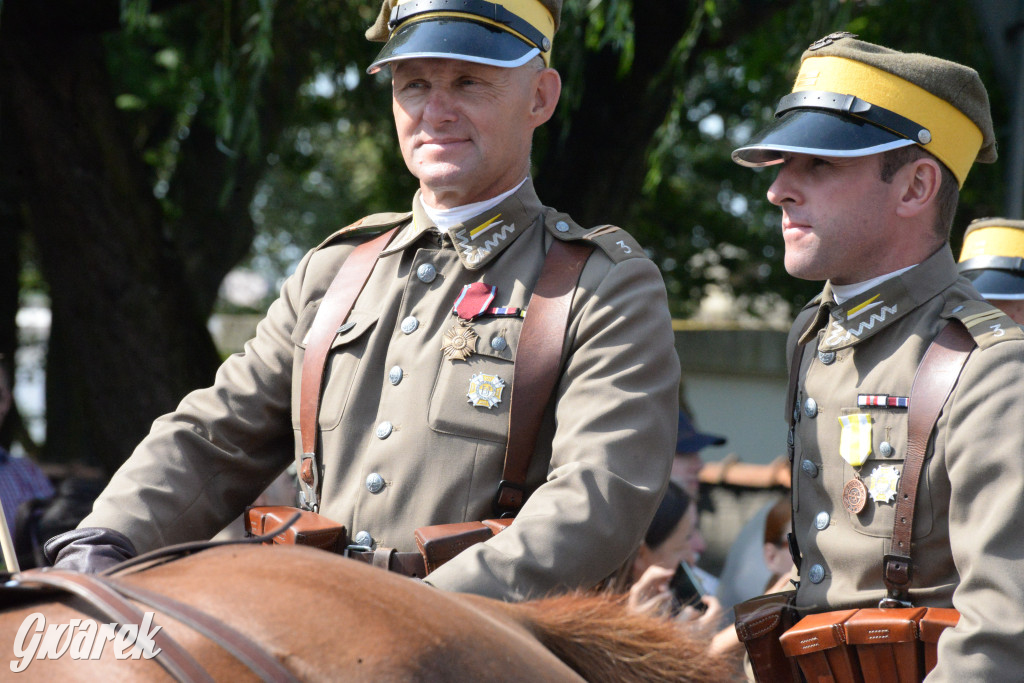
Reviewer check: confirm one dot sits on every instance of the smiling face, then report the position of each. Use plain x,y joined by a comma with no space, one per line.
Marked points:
465,129
838,218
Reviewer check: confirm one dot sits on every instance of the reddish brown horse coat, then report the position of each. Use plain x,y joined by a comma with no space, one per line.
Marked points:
328,618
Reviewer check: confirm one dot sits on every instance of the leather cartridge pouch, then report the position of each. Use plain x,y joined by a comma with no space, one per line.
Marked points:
933,623
886,642
309,529
818,644
441,542
760,622
896,644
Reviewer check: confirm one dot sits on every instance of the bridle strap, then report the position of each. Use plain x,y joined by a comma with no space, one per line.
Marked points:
172,657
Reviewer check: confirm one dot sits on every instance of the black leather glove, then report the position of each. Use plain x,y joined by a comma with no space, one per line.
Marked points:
89,550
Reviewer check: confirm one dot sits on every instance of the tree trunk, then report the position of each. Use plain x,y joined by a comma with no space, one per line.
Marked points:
127,339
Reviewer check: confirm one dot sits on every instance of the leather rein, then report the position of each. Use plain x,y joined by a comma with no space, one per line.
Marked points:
113,598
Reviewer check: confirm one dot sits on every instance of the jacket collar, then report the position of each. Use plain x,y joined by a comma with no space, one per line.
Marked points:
479,240
867,313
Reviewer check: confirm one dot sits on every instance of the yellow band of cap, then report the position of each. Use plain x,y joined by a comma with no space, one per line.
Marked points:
994,241
955,139
531,11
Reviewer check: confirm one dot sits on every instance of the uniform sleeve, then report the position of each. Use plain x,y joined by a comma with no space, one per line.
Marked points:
202,464
616,417
985,455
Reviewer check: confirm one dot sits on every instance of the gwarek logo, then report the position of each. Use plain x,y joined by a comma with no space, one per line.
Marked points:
82,639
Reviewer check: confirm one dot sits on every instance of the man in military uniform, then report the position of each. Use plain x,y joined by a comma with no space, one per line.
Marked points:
872,146
992,258
414,414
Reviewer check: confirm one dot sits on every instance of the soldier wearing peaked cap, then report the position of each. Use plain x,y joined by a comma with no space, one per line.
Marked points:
871,147
992,258
414,415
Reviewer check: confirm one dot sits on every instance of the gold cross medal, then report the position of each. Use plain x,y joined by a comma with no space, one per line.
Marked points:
485,390
459,342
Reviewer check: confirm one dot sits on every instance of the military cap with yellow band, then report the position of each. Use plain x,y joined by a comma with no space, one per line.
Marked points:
992,257
853,99
506,33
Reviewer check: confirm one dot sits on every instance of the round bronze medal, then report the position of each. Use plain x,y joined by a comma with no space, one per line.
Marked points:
855,495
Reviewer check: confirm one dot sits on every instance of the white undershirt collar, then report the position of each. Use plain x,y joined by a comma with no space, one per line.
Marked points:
446,219
843,293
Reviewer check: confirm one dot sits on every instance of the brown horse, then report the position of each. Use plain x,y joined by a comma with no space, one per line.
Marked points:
327,618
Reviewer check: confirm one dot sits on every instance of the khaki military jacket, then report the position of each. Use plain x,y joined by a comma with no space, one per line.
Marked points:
405,440
859,360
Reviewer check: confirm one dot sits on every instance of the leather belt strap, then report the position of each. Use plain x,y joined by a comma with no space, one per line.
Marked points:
943,361
407,564
334,309
172,657
538,357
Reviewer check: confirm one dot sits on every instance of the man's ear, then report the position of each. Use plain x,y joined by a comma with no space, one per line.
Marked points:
919,183
547,90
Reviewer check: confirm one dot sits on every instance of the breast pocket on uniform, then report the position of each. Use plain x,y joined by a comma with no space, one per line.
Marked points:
343,359
874,485
471,397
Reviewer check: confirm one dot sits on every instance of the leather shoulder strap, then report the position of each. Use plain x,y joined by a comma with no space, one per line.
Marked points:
538,357
942,364
334,309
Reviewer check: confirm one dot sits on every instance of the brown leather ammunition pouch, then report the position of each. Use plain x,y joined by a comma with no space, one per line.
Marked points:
872,644
309,529
760,623
441,542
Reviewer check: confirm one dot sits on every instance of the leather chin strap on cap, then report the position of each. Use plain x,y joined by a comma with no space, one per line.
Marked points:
850,105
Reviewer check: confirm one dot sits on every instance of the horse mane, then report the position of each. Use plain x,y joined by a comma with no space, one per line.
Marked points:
604,641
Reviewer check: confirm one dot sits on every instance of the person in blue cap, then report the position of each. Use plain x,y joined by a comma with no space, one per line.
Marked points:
687,463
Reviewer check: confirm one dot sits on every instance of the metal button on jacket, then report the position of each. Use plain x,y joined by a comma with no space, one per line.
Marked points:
886,449
816,574
809,468
426,273
374,483
499,344
827,357
384,429
821,520
410,324
363,538
562,226
395,375
810,407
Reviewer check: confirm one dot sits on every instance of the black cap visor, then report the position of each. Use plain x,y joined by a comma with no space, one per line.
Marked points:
821,133
451,38
997,284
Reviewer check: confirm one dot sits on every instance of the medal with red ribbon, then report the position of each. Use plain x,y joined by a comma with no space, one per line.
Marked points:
474,300
460,340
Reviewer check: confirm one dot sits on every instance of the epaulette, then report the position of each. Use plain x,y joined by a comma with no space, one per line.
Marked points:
986,323
618,244
373,224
